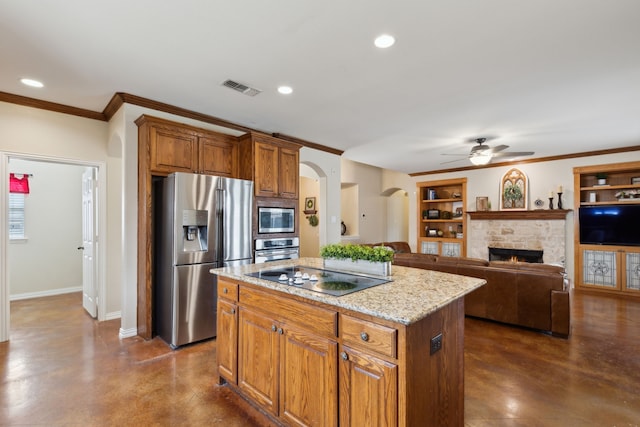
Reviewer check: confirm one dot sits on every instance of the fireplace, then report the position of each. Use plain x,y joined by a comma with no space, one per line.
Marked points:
515,255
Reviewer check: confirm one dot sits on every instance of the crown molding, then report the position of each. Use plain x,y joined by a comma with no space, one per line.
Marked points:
121,98
51,106
537,160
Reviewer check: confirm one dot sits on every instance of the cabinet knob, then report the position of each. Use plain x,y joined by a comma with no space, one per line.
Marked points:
344,355
364,336
280,331
225,291
233,311
273,328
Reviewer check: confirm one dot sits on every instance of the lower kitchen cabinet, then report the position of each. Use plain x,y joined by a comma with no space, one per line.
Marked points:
227,330
306,363
308,379
258,357
368,390
288,370
227,338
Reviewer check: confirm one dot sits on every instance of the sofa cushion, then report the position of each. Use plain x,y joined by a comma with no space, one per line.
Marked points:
463,261
398,247
529,266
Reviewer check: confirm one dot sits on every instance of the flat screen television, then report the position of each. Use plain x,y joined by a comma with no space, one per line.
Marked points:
610,225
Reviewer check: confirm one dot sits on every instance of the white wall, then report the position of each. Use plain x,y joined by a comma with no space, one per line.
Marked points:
372,205
45,134
48,261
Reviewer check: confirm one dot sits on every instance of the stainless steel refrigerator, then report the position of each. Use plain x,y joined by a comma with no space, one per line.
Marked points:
202,222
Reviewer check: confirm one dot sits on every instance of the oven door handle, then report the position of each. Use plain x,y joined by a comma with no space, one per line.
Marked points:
276,252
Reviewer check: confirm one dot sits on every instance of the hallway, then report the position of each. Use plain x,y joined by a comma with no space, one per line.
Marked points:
61,368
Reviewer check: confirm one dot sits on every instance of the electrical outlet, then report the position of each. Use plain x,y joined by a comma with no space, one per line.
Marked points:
436,343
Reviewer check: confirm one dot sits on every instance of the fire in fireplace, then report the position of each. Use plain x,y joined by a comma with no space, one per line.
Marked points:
515,255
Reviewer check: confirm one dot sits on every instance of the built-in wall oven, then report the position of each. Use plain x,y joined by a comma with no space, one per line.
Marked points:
277,249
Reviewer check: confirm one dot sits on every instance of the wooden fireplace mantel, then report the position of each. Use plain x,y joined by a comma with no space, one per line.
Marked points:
541,214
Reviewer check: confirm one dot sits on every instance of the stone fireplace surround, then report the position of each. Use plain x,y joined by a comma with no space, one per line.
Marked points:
530,230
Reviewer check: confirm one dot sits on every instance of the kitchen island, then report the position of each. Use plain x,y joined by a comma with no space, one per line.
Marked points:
388,355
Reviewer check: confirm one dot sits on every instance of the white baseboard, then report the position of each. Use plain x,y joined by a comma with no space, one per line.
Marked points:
113,315
49,293
128,333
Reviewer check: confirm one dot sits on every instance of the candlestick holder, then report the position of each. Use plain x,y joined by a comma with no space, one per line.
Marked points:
559,200
550,202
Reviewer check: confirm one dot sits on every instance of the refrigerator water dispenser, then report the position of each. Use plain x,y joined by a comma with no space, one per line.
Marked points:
194,227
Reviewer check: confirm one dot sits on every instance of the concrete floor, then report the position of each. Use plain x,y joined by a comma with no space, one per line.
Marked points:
62,368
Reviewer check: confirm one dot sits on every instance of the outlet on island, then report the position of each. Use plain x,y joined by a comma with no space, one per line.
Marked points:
436,343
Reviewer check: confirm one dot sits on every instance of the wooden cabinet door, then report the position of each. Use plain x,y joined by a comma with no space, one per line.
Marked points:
309,379
368,390
227,341
266,170
258,357
288,173
218,156
172,151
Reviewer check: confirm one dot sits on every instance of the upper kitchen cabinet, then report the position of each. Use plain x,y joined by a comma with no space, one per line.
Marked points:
173,147
271,163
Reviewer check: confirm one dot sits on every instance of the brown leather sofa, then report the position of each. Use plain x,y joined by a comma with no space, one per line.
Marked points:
523,294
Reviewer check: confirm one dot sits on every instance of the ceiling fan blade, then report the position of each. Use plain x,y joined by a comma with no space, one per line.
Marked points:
513,154
499,148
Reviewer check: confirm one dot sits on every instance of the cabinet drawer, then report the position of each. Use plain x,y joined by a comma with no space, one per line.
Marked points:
312,318
367,335
227,290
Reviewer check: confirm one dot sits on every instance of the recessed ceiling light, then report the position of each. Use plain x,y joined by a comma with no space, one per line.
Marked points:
285,90
31,82
384,41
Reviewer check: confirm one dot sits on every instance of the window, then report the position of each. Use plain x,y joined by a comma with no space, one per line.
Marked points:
16,216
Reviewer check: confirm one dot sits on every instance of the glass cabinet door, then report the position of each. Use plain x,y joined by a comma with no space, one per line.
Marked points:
599,268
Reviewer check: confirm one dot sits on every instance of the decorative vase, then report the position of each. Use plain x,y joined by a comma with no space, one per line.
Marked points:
358,266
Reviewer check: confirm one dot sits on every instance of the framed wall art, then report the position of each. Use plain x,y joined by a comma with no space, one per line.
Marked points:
514,186
310,205
482,204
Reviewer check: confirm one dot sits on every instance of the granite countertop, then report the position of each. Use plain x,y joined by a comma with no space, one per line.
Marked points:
412,294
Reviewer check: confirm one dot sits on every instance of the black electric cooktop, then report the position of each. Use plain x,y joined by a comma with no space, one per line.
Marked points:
336,283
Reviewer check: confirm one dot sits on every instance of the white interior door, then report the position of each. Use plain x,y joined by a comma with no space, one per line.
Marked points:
89,242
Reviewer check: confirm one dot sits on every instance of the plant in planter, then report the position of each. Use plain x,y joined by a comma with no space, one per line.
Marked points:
359,258
602,178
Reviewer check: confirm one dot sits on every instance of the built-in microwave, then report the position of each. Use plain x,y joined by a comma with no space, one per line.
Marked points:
276,220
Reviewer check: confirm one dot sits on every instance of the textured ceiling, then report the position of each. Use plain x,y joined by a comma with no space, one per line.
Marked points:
550,76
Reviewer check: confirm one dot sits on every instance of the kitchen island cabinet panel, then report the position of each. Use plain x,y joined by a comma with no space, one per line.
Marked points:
391,355
227,339
309,379
258,357
368,390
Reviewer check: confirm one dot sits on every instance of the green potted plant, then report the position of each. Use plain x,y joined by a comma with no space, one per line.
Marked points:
358,258
602,178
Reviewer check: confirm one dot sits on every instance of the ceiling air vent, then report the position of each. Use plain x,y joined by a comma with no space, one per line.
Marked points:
239,87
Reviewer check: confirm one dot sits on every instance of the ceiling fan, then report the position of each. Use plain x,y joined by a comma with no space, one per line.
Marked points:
483,154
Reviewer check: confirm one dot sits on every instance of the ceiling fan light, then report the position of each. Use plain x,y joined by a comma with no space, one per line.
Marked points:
480,159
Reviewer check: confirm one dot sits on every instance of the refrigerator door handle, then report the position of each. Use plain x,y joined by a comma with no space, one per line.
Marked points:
220,217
